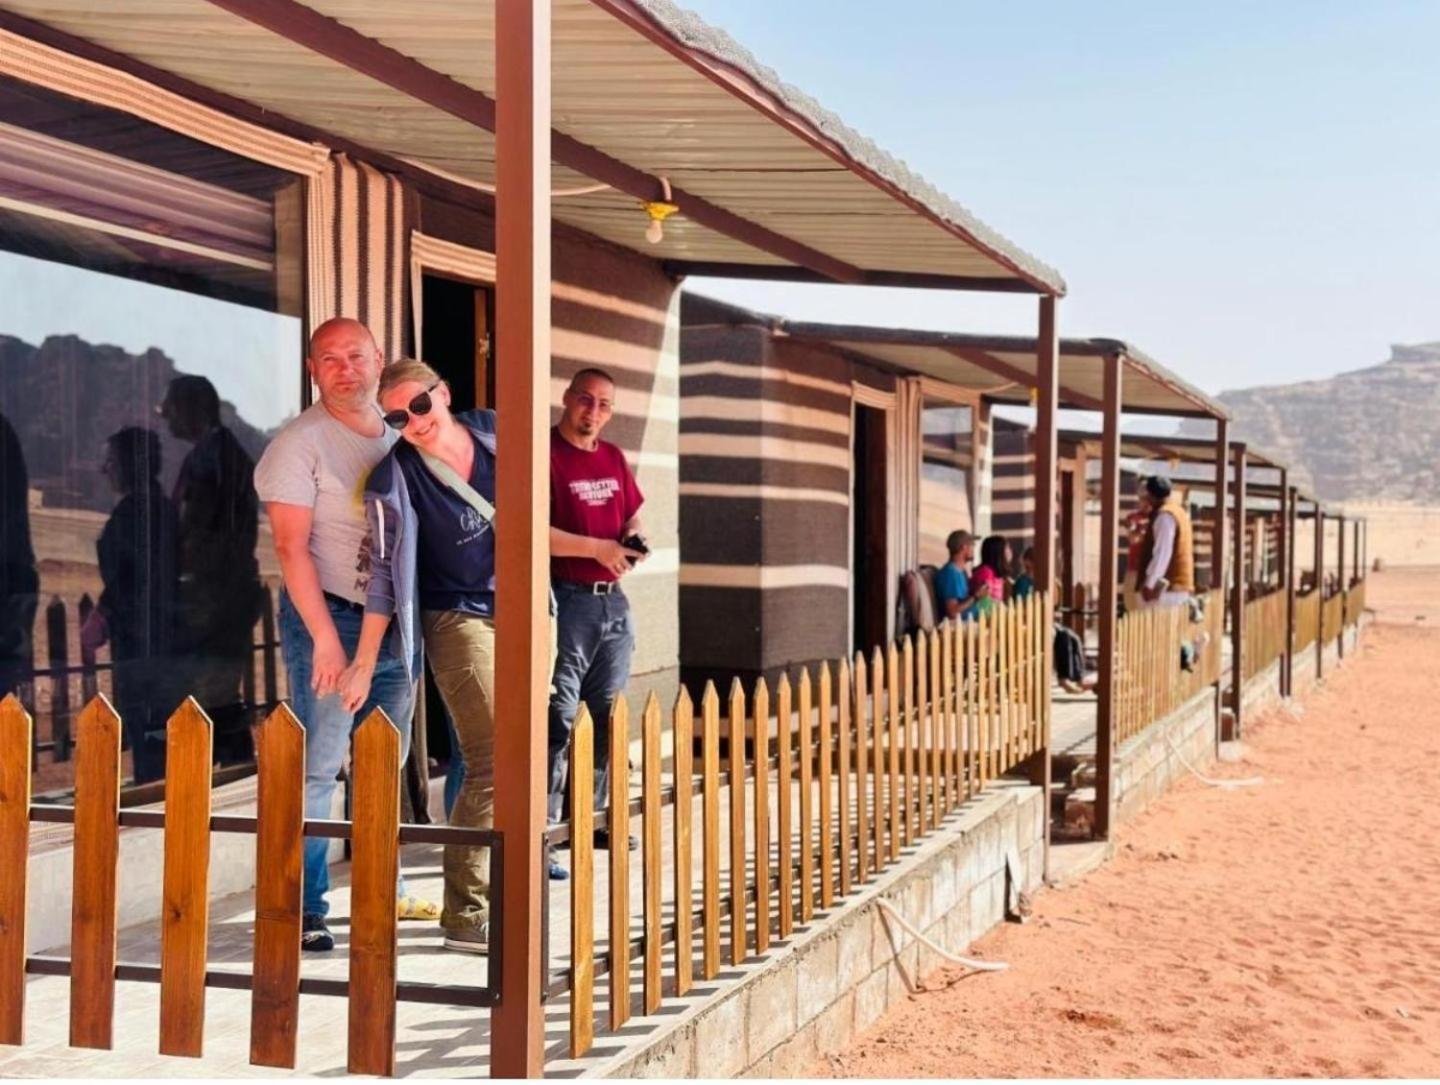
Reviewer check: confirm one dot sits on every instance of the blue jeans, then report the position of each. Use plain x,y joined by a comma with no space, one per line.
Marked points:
328,726
595,638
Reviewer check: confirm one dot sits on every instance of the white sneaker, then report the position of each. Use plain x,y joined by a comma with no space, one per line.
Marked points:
469,940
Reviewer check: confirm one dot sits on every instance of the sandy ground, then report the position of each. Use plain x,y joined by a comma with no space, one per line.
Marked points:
1284,930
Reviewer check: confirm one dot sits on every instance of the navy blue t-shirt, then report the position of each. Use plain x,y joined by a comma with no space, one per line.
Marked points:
456,549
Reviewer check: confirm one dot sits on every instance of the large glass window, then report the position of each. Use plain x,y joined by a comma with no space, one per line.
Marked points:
945,476
150,345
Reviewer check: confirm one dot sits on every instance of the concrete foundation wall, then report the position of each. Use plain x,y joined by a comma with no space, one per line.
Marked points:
1146,766
809,996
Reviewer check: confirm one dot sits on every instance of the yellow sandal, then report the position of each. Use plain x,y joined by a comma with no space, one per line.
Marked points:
412,907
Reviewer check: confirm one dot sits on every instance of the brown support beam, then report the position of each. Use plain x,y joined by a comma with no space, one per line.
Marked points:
1320,587
1222,468
1341,583
346,46
1047,387
1237,598
1288,568
1359,566
522,548
1109,569
1047,426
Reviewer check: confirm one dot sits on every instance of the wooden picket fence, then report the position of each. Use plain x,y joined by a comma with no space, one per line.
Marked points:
1332,617
1265,630
815,792
1355,602
72,675
1307,619
279,826
1149,680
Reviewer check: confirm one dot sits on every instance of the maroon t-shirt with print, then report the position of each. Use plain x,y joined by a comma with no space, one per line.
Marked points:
591,493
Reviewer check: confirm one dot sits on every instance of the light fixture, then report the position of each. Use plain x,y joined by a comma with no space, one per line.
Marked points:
659,211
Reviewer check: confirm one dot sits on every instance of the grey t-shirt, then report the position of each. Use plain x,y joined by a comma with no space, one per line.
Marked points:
321,463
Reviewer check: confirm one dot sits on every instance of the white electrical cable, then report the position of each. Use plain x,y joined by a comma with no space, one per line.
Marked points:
1224,784
968,962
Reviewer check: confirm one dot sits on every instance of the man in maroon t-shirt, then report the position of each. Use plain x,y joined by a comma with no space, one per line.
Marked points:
594,505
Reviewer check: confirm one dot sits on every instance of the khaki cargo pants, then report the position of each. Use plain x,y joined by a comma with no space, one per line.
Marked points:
461,650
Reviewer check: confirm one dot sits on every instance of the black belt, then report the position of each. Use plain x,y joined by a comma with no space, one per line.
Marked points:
598,587
348,604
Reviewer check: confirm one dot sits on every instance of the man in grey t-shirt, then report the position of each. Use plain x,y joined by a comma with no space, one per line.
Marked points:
312,479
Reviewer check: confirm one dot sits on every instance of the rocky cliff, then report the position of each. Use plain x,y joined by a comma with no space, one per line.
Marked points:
1368,435
65,396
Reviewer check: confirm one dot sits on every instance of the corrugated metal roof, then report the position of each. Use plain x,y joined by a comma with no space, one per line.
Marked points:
641,80
1003,367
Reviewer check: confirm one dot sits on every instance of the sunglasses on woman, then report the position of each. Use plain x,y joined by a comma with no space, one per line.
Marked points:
420,406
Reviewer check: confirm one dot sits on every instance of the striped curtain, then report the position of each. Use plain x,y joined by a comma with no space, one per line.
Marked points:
357,250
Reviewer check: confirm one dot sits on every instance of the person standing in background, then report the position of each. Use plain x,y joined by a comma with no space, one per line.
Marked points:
595,539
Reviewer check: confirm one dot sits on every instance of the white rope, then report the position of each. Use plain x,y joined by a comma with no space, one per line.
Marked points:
968,962
1224,784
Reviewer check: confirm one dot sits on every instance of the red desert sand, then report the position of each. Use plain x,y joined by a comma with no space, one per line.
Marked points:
1290,929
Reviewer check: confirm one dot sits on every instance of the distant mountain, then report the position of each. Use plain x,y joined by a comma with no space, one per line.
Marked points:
1367,435
65,396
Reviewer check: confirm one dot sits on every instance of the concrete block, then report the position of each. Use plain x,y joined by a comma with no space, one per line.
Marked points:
854,954
672,1058
819,979
794,1058
944,883
835,1027
871,999
770,1010
720,1048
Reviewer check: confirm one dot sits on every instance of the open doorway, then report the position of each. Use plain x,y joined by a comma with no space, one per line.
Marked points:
455,338
869,568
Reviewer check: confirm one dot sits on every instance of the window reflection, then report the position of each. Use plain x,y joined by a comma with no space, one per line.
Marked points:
945,475
139,383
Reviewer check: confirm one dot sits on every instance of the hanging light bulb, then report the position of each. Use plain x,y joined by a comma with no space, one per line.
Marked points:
658,211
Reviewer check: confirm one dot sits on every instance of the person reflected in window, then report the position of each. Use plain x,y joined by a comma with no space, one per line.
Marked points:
139,571
218,513
19,580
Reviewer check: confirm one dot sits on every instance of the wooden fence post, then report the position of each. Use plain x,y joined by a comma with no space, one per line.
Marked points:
582,874
279,847
619,832
96,853
16,738
684,741
185,920
375,870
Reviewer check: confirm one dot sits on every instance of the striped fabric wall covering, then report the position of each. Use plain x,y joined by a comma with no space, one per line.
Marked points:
1012,483
764,499
356,256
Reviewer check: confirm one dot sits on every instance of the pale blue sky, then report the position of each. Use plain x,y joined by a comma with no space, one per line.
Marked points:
1248,191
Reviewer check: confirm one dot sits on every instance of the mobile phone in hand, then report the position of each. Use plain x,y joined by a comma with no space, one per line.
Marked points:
634,542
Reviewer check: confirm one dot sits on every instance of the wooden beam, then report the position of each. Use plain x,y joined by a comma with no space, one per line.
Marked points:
1109,568
346,46
1065,397
522,639
1290,587
1217,542
1047,401
1320,588
1237,596
1287,580
721,269
1341,583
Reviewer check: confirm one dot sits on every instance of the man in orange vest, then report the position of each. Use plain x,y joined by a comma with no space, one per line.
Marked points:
1167,561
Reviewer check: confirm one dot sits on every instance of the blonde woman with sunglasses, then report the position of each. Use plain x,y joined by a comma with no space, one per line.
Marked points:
431,559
